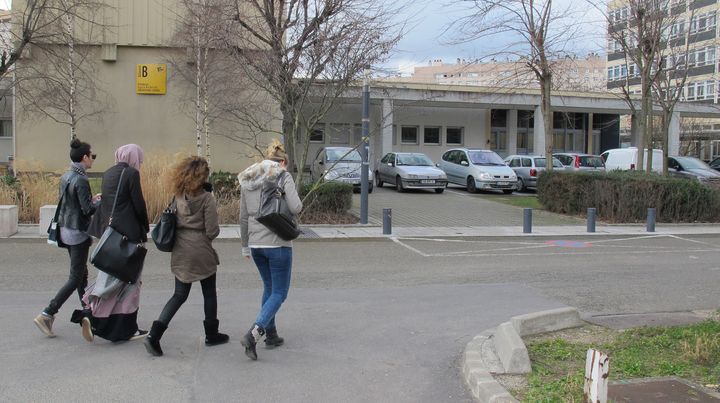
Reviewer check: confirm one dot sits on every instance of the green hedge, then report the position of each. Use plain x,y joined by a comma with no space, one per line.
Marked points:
328,197
625,196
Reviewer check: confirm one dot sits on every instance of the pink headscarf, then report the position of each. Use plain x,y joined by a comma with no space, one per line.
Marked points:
130,154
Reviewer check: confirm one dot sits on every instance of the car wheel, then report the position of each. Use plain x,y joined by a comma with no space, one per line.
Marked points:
439,190
471,185
507,191
378,182
398,184
521,185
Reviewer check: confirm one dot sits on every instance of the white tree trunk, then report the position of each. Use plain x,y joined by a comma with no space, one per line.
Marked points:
69,19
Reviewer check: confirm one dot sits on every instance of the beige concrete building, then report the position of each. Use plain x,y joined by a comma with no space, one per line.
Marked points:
697,21
571,74
134,33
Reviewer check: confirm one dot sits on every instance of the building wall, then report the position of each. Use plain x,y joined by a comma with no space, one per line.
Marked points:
475,124
158,123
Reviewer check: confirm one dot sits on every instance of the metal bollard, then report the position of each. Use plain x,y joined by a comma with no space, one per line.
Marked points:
527,220
387,221
591,219
651,220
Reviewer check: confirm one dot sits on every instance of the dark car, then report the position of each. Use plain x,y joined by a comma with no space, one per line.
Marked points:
692,168
715,164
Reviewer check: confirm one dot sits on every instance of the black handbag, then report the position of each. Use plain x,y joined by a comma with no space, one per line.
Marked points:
53,229
274,212
163,235
115,254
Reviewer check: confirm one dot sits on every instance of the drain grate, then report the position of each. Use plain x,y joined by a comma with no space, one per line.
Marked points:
308,233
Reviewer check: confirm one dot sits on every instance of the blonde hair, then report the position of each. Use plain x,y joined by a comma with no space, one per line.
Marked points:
276,151
189,176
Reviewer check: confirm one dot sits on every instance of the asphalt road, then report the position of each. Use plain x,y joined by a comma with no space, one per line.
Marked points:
374,320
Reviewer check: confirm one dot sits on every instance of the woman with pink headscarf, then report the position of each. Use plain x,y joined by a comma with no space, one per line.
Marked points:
114,303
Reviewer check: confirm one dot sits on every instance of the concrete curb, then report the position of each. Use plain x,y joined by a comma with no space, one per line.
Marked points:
501,351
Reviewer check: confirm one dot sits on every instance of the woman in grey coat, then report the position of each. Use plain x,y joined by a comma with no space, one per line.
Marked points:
271,254
193,257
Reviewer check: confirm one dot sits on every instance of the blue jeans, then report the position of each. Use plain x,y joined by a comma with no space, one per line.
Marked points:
274,266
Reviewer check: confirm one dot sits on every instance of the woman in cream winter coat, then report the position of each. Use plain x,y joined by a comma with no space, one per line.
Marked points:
272,255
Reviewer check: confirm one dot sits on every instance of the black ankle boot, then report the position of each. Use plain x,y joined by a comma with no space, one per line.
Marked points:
212,336
251,339
152,341
272,339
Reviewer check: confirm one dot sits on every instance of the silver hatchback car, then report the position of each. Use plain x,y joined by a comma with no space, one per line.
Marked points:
339,164
478,170
410,171
528,167
581,162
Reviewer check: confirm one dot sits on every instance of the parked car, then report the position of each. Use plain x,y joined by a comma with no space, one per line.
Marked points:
692,168
478,170
339,164
410,171
715,164
581,162
528,167
626,159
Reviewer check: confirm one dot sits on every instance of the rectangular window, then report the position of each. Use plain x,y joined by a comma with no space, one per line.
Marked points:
394,134
431,135
317,135
6,128
454,135
610,74
409,135
690,95
339,133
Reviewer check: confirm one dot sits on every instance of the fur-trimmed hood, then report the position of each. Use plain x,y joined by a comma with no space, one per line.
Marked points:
256,174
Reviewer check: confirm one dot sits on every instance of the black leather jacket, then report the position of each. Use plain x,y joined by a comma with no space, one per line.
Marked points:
76,207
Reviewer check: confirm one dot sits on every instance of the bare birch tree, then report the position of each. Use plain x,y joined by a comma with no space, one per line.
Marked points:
304,55
539,34
58,80
649,34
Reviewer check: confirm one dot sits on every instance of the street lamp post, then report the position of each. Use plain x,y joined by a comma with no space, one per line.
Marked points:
364,171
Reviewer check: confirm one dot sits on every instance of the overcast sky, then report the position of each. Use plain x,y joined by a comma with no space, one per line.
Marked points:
427,38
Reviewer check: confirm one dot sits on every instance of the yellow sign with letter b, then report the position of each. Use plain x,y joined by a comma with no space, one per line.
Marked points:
151,79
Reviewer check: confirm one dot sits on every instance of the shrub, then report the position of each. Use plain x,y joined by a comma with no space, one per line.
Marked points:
225,183
35,189
625,196
326,197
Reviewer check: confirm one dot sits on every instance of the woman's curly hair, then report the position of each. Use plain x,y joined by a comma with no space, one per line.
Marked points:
189,176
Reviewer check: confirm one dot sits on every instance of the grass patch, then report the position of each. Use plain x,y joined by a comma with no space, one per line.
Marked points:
520,201
691,352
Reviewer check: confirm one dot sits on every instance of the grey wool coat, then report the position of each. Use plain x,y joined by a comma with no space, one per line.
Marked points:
193,257
252,233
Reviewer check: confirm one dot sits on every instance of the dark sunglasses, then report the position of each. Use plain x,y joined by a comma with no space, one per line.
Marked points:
93,156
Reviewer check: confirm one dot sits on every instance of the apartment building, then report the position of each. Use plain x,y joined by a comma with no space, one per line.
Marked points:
572,74
696,22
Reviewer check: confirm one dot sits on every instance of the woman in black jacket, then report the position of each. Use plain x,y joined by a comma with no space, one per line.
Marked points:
114,303
76,206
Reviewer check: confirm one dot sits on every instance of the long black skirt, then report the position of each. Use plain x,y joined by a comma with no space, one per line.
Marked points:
116,327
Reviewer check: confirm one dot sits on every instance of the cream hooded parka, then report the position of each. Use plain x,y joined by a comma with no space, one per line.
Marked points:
252,233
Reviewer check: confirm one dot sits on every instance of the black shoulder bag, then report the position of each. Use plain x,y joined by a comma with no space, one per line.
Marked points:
115,254
163,235
53,229
274,212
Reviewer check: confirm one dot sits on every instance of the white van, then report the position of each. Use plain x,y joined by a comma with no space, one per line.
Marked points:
626,159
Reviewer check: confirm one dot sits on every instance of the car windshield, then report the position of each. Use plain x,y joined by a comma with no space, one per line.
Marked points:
692,163
414,159
485,158
591,161
540,163
344,154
